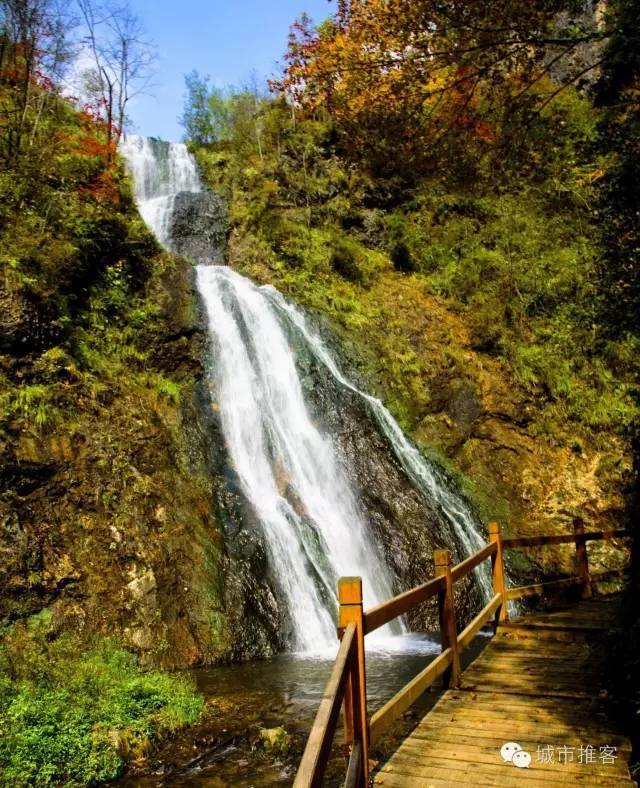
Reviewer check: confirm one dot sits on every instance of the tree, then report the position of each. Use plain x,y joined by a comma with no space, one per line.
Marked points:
34,51
212,115
206,111
123,61
400,76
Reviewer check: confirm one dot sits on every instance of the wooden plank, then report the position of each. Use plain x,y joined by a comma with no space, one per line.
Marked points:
534,658
582,559
557,690
510,681
584,613
555,539
465,697
473,627
453,779
316,753
617,533
510,708
552,666
541,624
489,737
491,701
450,778
384,717
599,577
501,773
518,631
415,753
504,641
498,576
538,589
425,750
565,719
538,541
355,708
401,604
523,729
470,563
447,617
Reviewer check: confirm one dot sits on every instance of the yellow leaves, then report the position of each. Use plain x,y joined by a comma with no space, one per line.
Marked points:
590,177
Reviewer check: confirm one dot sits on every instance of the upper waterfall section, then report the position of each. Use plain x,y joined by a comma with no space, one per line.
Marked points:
186,217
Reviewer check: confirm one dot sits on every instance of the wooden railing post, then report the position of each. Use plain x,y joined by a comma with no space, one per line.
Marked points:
447,613
497,571
356,719
581,558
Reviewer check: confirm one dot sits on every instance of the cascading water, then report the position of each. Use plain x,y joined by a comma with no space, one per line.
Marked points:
160,172
292,473
425,477
289,471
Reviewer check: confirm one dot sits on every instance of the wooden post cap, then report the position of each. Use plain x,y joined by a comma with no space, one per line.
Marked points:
350,590
442,557
494,528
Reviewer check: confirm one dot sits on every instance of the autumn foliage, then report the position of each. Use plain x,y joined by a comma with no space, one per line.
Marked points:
398,77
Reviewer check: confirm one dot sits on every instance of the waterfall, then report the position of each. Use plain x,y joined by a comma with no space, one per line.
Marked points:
289,469
160,172
432,484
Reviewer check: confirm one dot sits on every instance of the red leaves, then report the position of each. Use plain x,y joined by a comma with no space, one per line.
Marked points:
103,188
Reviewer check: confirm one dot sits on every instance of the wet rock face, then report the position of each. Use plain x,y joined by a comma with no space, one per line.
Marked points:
199,226
405,526
256,619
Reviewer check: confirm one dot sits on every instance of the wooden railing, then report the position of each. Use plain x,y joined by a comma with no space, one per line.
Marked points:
347,684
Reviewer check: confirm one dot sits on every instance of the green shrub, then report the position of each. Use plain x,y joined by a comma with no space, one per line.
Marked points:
344,259
72,717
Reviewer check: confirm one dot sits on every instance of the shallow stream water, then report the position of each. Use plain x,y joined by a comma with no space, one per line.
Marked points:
226,749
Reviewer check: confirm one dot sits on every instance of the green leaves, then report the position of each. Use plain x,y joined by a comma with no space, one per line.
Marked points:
72,717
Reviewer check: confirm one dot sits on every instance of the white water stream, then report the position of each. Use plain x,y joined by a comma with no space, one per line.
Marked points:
291,473
160,171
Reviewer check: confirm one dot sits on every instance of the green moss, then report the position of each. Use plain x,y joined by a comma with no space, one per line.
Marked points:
167,388
35,404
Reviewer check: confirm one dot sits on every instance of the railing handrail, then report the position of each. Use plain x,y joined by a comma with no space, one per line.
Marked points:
579,538
313,763
524,542
347,681
402,603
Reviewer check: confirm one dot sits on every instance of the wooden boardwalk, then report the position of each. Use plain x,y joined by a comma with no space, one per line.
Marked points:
540,683
539,686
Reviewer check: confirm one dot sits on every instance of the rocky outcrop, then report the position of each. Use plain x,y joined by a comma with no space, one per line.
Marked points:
483,423
108,515
198,228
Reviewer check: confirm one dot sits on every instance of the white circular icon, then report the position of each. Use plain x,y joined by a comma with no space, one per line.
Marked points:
521,759
508,750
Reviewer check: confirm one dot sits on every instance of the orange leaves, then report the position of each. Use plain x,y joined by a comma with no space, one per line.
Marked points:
103,188
397,76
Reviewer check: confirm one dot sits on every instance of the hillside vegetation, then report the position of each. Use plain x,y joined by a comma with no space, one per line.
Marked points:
459,233
109,547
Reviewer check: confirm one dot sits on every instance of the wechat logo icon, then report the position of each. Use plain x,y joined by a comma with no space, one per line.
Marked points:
513,753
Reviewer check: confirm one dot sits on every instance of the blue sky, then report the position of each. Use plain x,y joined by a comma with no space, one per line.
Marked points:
227,40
